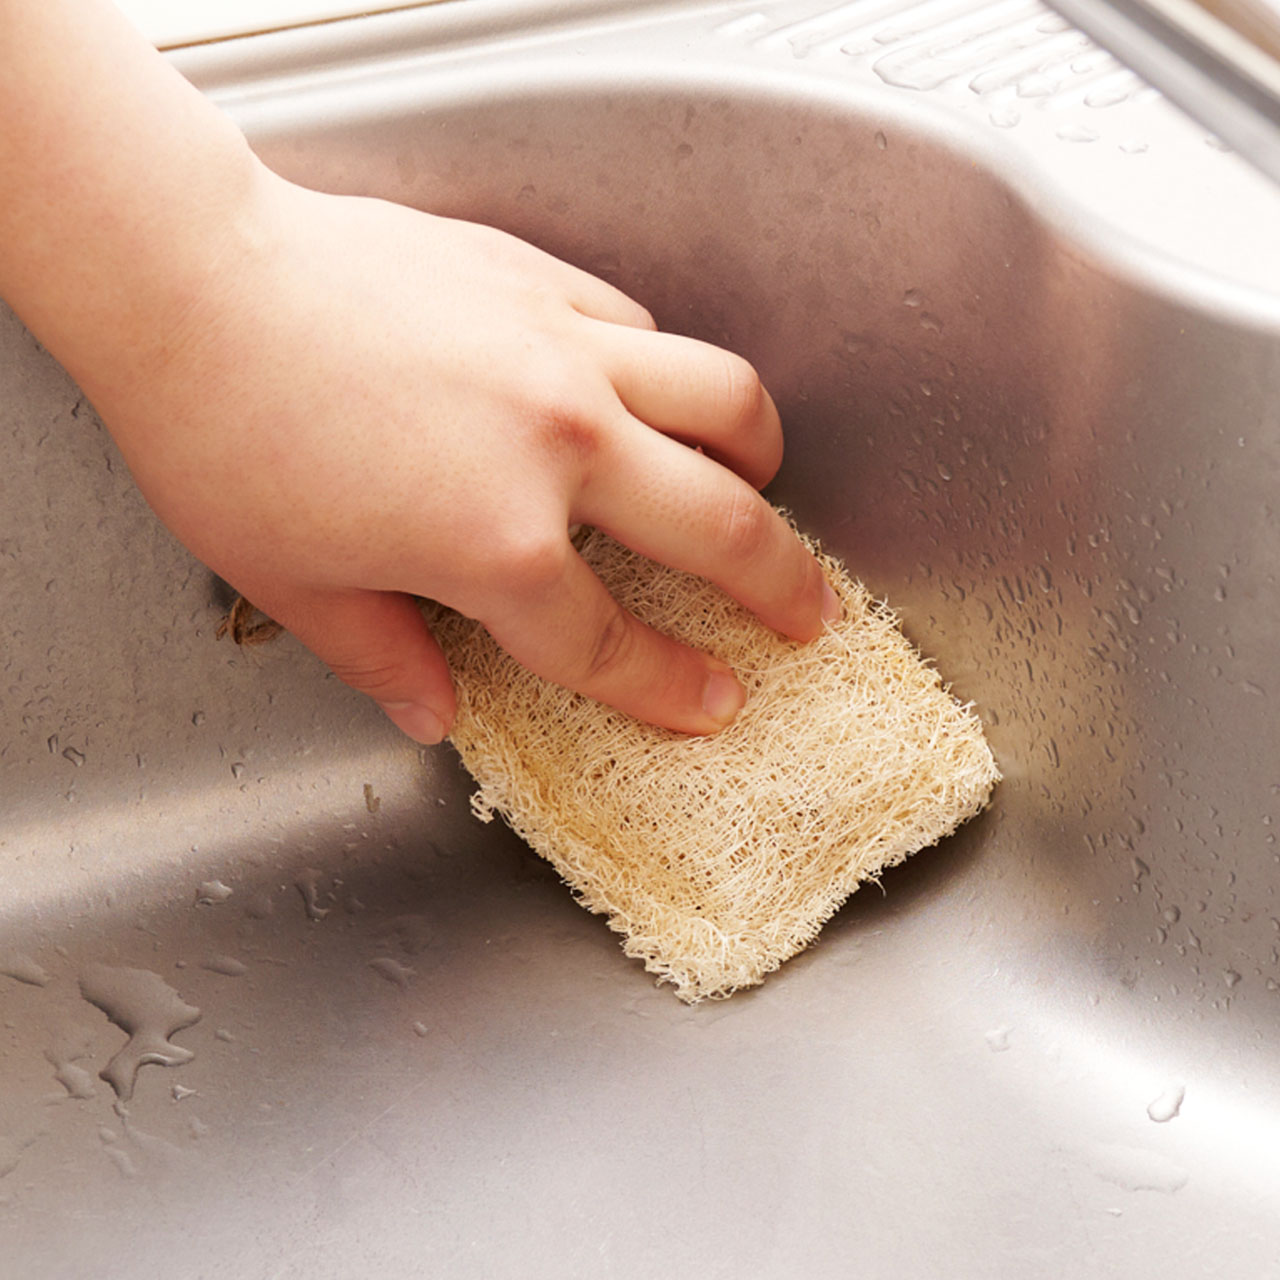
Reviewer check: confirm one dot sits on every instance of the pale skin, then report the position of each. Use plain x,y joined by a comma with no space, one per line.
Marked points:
339,404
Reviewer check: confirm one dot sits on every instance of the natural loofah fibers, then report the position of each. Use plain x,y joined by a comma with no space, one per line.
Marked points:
720,857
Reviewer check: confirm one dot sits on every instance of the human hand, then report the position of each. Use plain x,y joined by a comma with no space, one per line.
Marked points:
366,403
339,403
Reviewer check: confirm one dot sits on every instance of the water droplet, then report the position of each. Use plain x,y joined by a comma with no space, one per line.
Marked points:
237,770
22,968
998,1039
64,1056
261,906
1005,117
148,1011
1108,95
11,1150
53,744
413,934
420,1029
1230,977
912,298
1077,133
1168,1104
1137,1169
308,885
212,892
181,1091
198,718
224,1035
945,471
76,757
1172,914
930,322
119,1157
392,970
1036,85
228,966
371,802
881,141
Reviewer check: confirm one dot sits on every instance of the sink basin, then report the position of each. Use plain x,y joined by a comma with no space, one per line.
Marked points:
1031,383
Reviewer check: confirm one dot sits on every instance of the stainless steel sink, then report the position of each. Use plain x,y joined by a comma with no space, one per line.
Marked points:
1030,371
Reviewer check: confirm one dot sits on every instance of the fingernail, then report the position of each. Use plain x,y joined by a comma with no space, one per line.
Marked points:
831,606
419,722
722,696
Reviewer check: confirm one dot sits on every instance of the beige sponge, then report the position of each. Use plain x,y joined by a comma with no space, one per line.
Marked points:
720,857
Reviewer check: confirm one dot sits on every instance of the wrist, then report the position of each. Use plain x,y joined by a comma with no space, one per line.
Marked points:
115,300
117,206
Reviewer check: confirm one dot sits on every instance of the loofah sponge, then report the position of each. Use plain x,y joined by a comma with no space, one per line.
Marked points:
720,857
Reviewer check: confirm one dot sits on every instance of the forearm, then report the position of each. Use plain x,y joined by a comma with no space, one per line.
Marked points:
121,187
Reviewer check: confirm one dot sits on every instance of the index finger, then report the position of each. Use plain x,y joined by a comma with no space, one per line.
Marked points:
678,506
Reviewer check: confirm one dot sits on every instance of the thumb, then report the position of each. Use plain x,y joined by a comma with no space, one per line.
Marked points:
377,642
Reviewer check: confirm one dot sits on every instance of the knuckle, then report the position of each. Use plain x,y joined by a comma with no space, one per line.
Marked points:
743,392
611,646
568,434
562,421
380,679
542,294
799,600
807,592
747,527
535,560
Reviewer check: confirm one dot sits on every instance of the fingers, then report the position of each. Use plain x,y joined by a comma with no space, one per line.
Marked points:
564,626
378,643
697,394
678,507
